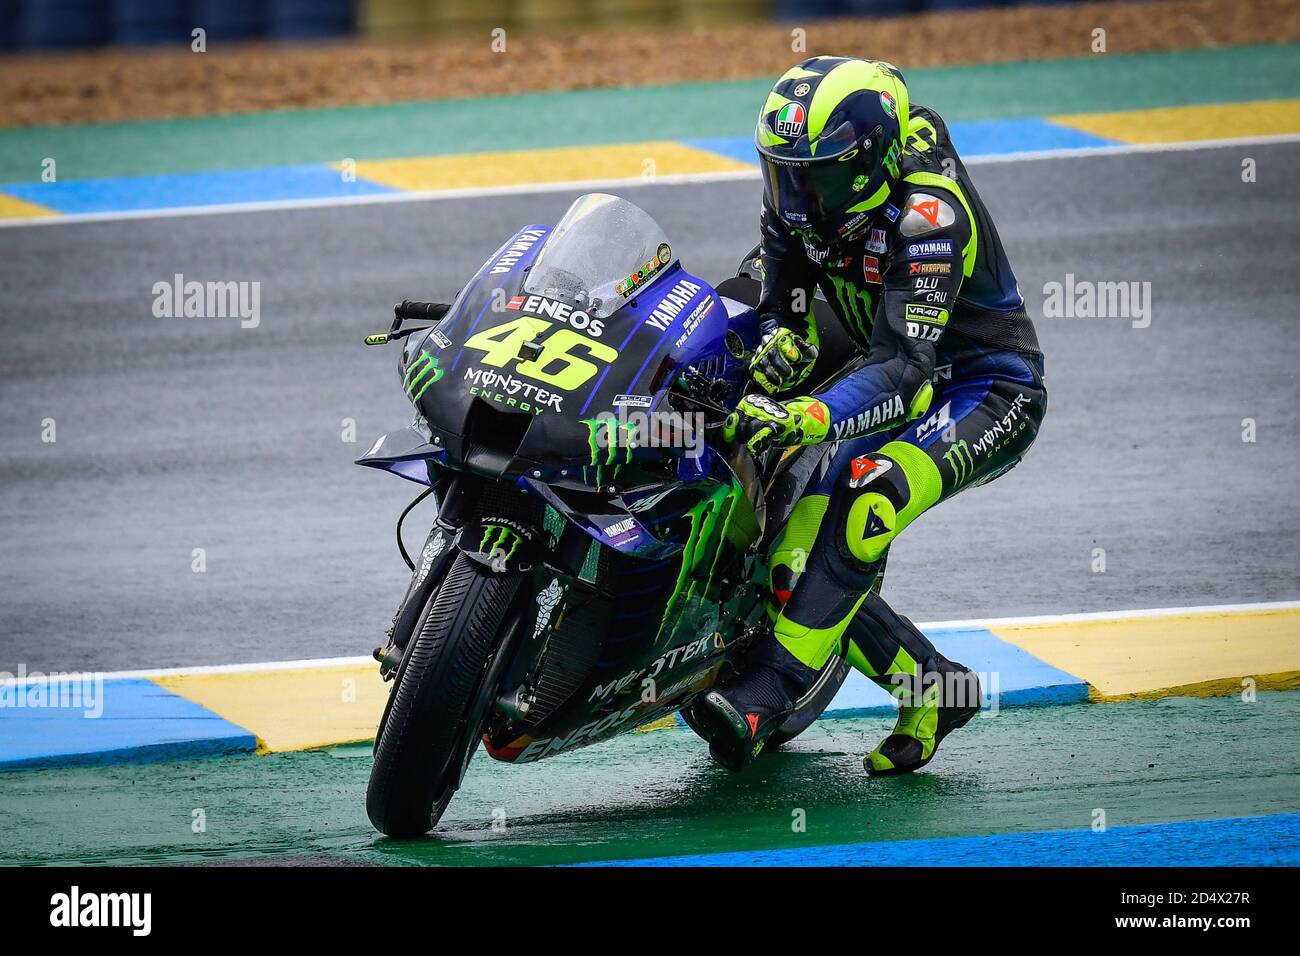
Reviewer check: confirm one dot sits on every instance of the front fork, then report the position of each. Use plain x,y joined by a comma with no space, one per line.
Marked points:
430,568
498,541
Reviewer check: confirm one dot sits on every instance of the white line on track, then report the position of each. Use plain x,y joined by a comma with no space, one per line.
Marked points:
1118,616
587,185
1114,616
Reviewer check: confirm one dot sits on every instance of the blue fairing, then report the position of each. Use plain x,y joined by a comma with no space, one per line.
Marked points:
406,453
674,331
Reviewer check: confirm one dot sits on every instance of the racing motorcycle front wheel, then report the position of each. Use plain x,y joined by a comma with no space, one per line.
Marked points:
438,704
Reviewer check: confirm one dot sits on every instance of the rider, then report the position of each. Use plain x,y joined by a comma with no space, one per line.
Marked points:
866,199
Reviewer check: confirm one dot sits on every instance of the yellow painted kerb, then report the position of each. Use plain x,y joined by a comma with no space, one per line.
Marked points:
300,708
1180,653
663,723
291,709
559,165
1180,124
11,207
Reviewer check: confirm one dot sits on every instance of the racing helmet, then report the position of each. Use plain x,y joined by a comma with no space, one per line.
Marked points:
829,139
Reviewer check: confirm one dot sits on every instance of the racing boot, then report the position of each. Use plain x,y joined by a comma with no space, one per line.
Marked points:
738,718
948,698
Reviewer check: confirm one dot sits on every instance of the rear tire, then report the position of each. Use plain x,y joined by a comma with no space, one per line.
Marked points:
424,737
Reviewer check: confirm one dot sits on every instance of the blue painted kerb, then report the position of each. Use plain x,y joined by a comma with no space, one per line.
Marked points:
127,720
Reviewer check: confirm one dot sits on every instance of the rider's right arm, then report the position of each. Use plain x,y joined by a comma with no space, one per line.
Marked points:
789,277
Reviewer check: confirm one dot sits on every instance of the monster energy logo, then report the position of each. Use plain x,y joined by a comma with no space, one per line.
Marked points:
500,542
418,375
847,295
891,159
605,436
960,461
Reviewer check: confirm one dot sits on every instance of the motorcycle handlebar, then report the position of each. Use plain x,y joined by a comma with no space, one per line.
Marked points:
408,310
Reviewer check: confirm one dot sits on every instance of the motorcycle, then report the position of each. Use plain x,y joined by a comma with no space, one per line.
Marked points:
597,559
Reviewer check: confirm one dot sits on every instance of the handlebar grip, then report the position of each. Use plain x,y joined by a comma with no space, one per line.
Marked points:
409,310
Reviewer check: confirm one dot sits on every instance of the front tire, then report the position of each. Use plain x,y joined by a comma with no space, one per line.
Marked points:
425,737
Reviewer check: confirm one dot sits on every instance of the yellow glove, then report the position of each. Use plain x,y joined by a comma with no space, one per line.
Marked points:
782,361
762,423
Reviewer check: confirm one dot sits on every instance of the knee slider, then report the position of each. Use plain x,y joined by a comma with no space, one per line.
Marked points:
870,527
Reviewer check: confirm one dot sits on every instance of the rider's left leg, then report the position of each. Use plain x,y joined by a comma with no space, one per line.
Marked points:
935,695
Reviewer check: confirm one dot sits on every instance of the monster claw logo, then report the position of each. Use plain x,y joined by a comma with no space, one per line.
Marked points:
960,461
605,441
500,542
856,303
891,162
420,374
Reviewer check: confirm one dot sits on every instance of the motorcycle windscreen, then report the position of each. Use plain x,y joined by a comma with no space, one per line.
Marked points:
599,255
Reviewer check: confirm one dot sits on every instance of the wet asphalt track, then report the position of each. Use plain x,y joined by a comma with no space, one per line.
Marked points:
176,434
658,794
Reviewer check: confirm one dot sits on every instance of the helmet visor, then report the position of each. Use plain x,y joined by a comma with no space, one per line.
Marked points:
806,192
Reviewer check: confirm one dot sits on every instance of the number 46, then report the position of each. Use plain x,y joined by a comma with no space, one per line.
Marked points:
501,345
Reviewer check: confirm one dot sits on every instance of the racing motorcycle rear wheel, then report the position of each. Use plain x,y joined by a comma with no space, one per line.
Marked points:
436,710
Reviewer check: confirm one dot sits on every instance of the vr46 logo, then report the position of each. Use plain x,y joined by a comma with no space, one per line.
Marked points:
555,363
